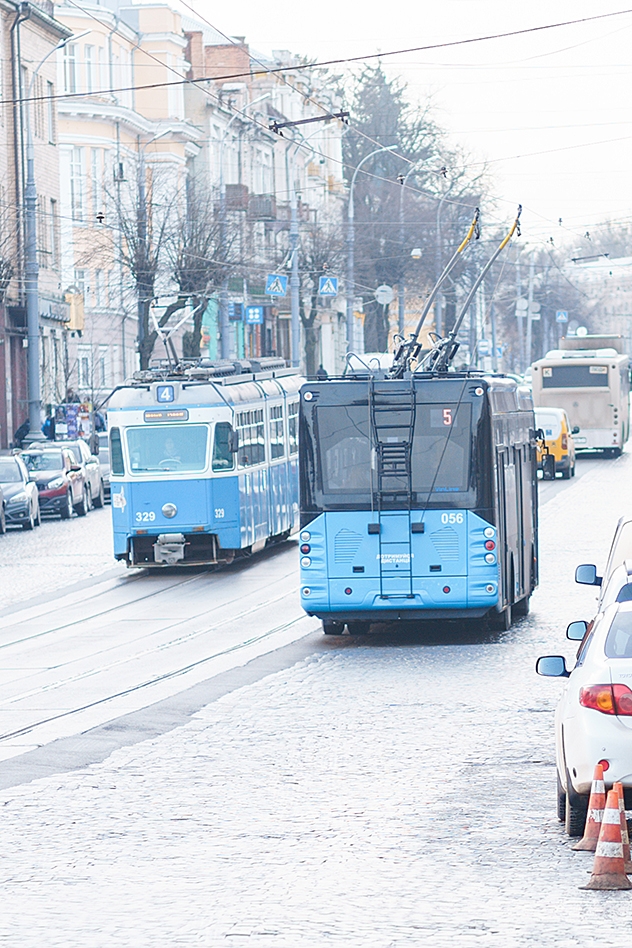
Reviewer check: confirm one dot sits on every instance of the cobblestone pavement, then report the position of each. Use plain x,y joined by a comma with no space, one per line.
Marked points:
395,790
55,555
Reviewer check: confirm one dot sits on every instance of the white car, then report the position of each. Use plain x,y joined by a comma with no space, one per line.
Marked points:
593,720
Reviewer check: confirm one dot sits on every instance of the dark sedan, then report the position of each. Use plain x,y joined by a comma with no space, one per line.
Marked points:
21,500
60,481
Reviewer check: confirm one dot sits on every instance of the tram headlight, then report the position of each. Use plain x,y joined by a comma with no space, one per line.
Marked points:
306,536
305,561
490,558
169,511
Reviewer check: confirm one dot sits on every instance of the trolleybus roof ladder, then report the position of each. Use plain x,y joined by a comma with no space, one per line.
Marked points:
392,409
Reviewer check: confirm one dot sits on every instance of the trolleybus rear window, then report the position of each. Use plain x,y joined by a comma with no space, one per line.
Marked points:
441,448
575,376
167,448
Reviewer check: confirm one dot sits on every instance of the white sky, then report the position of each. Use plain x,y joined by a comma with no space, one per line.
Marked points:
549,110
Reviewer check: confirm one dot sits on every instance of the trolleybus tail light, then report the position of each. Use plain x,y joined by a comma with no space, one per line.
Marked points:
490,589
609,699
605,764
306,590
306,548
305,536
490,558
488,532
348,591
490,545
306,561
446,589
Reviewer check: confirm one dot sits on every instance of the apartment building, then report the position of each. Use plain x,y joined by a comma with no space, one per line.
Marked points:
122,147
29,32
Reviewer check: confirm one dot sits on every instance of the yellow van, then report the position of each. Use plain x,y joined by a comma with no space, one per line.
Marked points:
558,437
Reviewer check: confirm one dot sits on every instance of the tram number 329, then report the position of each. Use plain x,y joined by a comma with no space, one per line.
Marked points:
145,516
452,518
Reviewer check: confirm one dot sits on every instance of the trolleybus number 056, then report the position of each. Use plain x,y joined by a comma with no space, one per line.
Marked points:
452,518
145,516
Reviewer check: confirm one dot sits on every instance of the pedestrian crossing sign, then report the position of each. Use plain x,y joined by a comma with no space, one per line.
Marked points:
276,284
328,286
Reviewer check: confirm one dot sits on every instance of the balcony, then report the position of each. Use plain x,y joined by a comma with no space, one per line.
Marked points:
263,207
236,197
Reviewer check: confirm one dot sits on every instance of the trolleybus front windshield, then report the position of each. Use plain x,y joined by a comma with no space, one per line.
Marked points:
440,456
164,448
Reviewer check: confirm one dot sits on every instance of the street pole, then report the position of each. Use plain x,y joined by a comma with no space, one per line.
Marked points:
294,275
492,319
224,322
350,241
401,289
529,314
142,242
519,318
31,266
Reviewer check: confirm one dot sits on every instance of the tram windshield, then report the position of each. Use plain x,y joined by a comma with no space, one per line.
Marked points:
162,448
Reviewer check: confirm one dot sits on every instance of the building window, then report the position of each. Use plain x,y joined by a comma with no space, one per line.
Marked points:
50,111
103,69
53,223
70,67
43,233
77,174
89,67
80,281
99,296
84,367
97,179
103,366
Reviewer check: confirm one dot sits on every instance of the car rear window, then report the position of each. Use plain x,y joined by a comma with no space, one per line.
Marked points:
619,638
9,472
550,424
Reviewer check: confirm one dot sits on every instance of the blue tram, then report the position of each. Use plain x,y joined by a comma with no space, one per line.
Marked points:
418,498
204,461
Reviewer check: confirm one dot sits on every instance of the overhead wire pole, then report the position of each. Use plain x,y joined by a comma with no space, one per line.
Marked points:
401,298
350,280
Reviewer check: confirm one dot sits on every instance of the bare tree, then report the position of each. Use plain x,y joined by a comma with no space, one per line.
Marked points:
320,252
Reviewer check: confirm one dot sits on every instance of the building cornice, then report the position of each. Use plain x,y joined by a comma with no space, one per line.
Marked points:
93,110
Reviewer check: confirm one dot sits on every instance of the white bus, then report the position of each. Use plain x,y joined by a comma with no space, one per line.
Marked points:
593,387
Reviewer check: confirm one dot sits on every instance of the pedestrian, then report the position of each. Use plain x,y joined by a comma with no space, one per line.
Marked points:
20,434
48,428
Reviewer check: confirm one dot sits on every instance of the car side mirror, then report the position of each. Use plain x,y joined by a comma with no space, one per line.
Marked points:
552,666
575,429
586,574
577,630
233,441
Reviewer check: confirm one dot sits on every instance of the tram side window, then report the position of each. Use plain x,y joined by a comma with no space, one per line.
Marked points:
292,427
223,457
277,448
116,452
252,447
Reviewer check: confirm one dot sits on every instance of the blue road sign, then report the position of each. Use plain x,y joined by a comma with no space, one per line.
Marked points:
276,284
235,312
254,315
328,286
561,316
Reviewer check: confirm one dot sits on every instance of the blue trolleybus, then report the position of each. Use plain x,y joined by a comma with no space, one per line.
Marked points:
204,462
418,498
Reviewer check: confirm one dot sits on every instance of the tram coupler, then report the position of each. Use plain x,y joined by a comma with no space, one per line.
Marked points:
169,548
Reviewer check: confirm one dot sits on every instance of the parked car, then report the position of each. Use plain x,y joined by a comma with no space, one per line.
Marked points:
90,467
21,499
593,720
104,461
60,481
558,438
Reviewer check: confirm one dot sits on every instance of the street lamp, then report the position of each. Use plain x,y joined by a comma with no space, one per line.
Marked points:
224,324
31,267
351,245
401,288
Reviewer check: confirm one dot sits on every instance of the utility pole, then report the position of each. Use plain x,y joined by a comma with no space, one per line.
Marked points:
529,313
519,317
295,282
141,233
492,319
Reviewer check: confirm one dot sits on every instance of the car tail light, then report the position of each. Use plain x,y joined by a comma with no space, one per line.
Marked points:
609,699
564,442
605,764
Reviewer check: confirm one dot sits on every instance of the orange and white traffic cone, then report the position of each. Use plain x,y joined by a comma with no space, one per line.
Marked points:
588,842
625,836
608,870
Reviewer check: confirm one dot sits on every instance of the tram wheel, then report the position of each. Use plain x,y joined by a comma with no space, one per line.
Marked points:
358,628
333,628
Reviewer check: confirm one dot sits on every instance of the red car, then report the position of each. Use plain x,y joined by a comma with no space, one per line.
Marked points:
60,481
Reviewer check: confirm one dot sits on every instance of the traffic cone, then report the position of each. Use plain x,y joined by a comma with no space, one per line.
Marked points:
588,842
625,836
608,870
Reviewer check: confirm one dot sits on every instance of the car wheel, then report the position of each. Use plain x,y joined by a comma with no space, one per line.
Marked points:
38,517
30,523
573,470
82,508
358,628
99,500
3,521
576,808
333,628
66,511
566,473
561,800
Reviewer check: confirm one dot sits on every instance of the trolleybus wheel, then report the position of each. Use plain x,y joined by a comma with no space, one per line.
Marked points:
333,628
521,608
358,628
501,621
